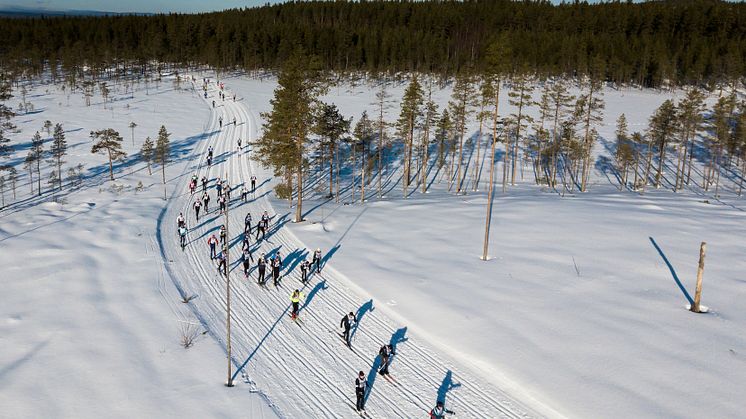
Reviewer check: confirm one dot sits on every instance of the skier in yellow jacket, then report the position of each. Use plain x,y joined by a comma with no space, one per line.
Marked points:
295,298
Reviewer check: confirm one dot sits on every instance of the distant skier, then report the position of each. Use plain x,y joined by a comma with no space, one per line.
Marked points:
204,184
213,243
182,236
439,411
220,121
295,298
317,260
227,189
234,97
206,201
213,102
197,206
221,203
361,387
253,183
261,265
247,224
346,323
244,193
239,143
276,268
223,235
305,266
219,187
234,124
180,222
386,352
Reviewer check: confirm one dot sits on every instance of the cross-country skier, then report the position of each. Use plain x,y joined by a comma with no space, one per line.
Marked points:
295,298
305,266
182,236
219,187
220,120
439,411
253,183
260,229
234,124
206,200
209,151
261,265
346,323
227,189
213,243
213,102
361,386
276,267
246,256
204,184
222,266
244,193
223,235
192,186
221,202
239,143
385,352
247,224
317,260
197,205
180,222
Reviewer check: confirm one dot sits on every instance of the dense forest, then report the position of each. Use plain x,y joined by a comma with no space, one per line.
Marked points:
650,43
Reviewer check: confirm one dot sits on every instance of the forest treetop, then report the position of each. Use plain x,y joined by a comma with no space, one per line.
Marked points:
684,42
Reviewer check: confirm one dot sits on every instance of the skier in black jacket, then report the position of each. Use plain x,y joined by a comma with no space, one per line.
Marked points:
347,322
361,386
261,265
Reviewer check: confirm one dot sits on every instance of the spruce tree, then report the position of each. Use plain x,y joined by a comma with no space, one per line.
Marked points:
58,151
560,102
382,104
147,153
431,113
443,136
109,142
132,126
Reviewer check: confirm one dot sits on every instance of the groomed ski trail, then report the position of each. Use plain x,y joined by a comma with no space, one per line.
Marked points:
301,368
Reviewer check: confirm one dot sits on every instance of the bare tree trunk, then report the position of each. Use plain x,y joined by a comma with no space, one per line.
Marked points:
490,192
336,149
331,169
460,155
363,169
354,172
425,157
477,163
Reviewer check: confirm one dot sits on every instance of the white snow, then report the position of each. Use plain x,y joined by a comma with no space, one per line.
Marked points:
577,312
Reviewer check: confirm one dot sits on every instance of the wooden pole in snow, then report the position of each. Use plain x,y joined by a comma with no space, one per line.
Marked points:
700,270
229,383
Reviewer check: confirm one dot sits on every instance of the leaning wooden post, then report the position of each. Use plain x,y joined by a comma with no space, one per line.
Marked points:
700,270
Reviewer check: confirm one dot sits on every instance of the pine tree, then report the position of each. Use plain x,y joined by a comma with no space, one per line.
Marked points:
289,123
591,106
5,148
431,112
690,118
443,136
486,92
58,151
382,104
48,127
6,113
624,151
520,97
662,128
104,89
720,123
331,126
739,136
461,104
408,117
163,153
132,126
364,132
147,152
560,102
109,142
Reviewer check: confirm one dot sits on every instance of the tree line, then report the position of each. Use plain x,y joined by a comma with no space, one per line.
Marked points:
648,44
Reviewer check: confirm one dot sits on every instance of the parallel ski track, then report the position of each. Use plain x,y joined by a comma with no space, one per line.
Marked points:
300,368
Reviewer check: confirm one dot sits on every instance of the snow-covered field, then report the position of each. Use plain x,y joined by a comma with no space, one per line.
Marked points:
580,311
89,320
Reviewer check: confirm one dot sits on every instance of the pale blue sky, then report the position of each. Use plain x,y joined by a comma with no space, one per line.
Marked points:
141,6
